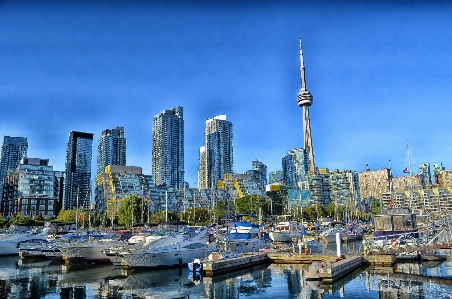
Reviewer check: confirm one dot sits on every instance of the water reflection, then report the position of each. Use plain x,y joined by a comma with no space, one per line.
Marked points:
46,279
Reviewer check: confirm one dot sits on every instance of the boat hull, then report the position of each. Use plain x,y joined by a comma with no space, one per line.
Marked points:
165,258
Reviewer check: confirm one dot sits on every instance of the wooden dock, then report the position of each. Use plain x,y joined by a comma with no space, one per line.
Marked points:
334,267
231,264
340,268
382,260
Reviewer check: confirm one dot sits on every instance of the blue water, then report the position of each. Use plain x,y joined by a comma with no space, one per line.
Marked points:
46,279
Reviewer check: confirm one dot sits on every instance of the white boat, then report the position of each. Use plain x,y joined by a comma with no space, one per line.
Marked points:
285,231
243,237
91,250
115,253
177,249
329,235
33,249
10,241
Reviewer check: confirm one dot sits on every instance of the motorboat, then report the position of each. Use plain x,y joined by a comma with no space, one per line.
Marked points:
180,246
352,232
329,235
10,240
90,251
285,230
242,237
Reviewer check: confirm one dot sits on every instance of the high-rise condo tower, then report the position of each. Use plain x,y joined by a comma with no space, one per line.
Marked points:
168,148
77,185
13,150
304,101
216,157
111,149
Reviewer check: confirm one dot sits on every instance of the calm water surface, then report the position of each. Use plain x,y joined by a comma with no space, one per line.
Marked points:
46,279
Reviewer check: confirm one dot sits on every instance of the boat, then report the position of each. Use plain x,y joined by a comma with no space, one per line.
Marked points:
178,248
242,237
407,256
115,253
433,256
352,232
90,251
33,249
285,230
10,240
329,235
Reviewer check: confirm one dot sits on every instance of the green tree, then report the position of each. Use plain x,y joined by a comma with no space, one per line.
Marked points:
66,216
131,206
196,216
375,207
252,204
331,209
3,223
21,219
160,216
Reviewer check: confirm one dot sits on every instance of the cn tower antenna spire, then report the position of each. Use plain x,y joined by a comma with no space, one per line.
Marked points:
305,100
302,74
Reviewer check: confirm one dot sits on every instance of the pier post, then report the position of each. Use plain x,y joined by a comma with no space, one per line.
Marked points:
338,245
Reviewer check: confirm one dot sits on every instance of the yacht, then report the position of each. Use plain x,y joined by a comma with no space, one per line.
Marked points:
285,230
329,234
10,240
242,237
90,251
179,247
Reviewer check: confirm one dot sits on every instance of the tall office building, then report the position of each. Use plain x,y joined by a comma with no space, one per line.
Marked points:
261,168
295,166
111,149
77,187
14,149
202,168
219,156
289,172
305,100
168,148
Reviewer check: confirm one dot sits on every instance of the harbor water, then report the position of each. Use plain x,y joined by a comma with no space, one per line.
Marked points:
49,279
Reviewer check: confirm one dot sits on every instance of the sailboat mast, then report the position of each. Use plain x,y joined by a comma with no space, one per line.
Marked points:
409,158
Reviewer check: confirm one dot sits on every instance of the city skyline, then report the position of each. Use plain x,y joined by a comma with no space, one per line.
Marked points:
378,70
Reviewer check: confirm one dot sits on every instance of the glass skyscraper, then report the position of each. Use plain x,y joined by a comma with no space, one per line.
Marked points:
13,150
218,158
295,166
261,168
168,148
77,187
111,149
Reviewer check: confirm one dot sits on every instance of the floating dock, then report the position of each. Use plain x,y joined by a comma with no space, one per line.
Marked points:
340,268
323,267
236,263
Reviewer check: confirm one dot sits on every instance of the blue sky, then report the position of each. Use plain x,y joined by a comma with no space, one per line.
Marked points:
380,73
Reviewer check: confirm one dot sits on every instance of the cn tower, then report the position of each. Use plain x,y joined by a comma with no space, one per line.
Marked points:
304,100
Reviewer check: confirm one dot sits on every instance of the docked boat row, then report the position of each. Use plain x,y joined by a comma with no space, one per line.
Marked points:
175,244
